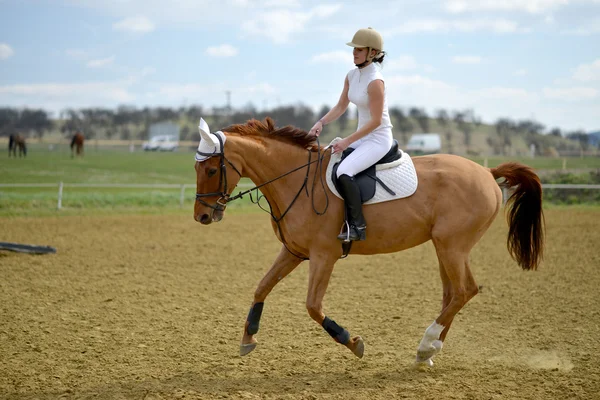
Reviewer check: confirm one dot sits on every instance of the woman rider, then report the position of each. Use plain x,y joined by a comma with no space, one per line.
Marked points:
363,86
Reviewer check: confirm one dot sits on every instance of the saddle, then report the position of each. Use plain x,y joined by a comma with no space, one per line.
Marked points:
367,179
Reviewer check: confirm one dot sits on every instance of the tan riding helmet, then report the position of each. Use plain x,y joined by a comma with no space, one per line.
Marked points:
368,37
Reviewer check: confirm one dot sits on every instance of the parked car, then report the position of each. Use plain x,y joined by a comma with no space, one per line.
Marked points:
161,143
424,143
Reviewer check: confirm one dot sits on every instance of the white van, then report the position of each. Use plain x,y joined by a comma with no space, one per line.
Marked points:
161,143
424,143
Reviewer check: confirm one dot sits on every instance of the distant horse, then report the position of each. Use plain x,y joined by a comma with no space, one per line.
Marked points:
77,144
455,203
15,141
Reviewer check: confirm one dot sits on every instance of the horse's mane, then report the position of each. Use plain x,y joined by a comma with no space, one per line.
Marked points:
289,134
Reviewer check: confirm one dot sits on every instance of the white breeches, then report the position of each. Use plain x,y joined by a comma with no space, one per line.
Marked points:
367,152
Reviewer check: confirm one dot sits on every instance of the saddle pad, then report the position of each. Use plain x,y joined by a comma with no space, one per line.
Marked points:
400,176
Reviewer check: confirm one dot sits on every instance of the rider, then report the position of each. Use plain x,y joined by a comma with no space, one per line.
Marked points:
364,86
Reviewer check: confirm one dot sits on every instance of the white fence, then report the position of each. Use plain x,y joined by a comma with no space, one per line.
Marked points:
61,186
182,187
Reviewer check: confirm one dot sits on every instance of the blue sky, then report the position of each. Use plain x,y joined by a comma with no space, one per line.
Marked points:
534,59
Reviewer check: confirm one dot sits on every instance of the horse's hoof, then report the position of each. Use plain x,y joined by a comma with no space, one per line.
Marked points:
246,348
426,354
423,365
359,348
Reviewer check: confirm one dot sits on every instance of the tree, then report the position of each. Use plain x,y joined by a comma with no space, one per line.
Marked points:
420,115
34,120
343,120
505,128
581,137
9,119
442,118
556,132
185,131
402,122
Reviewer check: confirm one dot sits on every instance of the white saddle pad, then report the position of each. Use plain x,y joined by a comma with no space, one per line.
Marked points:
400,176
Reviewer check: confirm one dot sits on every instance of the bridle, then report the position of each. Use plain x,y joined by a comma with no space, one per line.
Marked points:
225,197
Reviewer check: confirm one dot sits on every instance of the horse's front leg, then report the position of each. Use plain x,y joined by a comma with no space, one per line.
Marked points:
319,274
283,265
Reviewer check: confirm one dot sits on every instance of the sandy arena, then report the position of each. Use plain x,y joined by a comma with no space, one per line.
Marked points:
153,307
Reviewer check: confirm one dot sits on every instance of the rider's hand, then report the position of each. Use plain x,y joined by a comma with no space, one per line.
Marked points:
340,146
316,129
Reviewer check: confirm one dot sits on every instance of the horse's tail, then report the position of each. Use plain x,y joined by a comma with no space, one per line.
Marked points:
11,142
525,215
73,141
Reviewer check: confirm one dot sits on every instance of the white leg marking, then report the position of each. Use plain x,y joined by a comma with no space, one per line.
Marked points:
430,344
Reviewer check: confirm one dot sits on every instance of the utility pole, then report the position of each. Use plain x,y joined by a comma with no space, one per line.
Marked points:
228,106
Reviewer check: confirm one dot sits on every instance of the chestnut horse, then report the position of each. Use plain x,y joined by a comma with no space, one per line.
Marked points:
77,144
455,203
15,141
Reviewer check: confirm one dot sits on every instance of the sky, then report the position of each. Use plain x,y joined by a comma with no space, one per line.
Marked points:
519,59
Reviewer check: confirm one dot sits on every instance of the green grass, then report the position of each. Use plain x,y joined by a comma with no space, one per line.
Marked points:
109,166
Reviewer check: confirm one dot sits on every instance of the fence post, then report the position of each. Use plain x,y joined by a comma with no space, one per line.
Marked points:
60,192
564,165
181,196
485,162
504,195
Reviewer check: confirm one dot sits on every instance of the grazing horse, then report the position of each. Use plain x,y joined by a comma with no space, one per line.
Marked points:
455,203
15,141
77,144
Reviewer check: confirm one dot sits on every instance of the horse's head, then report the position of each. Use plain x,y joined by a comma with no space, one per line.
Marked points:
216,176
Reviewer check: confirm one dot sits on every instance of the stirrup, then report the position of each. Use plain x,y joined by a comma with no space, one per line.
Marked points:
353,233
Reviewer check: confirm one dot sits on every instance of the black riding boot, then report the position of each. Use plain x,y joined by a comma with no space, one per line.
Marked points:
351,194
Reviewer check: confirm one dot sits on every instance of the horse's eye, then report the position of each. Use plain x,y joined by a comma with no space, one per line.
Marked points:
212,172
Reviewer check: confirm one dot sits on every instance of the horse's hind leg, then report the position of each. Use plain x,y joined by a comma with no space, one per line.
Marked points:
283,265
459,287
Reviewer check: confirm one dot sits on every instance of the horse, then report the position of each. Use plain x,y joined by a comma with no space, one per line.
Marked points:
77,144
15,141
454,204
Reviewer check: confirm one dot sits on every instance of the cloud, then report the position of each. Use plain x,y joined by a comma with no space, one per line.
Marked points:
175,92
528,6
333,56
5,51
401,63
138,24
418,80
588,72
224,50
520,72
503,93
571,93
279,25
466,60
103,62
437,25
57,96
584,28
77,54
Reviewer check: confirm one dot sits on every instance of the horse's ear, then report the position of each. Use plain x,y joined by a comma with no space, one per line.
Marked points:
205,132
270,124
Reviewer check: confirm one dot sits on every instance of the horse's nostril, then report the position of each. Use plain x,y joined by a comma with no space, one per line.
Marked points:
204,218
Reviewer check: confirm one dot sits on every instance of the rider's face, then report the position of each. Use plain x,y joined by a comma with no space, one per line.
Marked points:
360,55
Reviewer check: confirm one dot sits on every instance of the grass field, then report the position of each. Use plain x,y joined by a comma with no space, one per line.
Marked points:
118,166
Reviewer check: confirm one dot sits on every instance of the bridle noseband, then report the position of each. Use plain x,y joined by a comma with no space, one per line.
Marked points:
224,198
